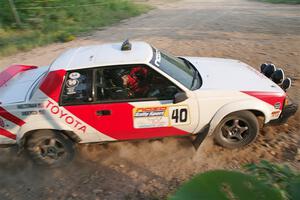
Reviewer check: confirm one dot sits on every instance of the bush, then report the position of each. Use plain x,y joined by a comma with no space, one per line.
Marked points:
263,181
279,176
44,22
225,185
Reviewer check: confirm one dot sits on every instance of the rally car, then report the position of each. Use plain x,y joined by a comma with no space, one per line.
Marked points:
129,91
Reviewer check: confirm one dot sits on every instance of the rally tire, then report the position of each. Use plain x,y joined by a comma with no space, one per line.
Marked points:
237,130
50,148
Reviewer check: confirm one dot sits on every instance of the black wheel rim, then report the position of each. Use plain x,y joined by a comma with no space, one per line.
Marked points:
51,150
235,130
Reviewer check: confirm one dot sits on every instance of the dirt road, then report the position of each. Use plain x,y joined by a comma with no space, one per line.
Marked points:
245,30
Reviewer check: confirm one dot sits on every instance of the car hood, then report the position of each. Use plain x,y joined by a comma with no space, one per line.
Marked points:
228,74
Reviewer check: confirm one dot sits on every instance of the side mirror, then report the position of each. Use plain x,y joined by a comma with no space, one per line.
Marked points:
180,97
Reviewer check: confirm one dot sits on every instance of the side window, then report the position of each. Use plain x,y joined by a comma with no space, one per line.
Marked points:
77,87
132,83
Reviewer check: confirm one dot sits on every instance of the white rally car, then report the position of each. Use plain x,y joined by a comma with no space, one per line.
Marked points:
129,91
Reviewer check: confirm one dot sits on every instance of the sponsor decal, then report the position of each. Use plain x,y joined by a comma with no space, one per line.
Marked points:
276,113
65,116
33,112
71,91
72,83
150,117
180,115
162,116
74,75
26,106
156,59
277,105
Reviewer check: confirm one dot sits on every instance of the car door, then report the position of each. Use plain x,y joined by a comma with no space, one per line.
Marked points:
145,110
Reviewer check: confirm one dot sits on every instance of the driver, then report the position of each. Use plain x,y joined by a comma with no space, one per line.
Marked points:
136,81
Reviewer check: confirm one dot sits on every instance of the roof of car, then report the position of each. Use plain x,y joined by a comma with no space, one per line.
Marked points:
102,55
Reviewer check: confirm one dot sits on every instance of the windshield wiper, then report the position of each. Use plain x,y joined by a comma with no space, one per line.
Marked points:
194,77
188,64
195,71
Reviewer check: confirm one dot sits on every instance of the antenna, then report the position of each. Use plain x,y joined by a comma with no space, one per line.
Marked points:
126,46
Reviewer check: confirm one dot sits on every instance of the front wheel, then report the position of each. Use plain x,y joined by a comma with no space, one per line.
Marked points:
237,130
50,148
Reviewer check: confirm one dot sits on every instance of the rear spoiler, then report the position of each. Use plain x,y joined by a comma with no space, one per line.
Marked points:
12,71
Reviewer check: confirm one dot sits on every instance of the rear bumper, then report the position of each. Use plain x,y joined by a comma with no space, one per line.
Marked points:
287,112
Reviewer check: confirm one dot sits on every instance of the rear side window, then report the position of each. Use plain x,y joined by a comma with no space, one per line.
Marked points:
77,87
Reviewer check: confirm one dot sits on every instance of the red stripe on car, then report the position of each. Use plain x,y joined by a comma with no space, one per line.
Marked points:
10,117
269,97
52,84
7,134
12,71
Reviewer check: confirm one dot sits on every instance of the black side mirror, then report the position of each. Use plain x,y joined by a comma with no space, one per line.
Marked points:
180,97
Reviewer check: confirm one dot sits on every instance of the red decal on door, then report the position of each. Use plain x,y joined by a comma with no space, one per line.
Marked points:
119,124
10,117
269,97
7,134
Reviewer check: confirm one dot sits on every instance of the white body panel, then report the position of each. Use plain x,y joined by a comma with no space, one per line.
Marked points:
102,55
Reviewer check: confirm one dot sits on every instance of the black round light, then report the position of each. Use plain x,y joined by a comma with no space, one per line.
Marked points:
269,70
263,66
286,84
278,76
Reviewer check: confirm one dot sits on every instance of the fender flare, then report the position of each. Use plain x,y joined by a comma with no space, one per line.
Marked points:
31,127
239,106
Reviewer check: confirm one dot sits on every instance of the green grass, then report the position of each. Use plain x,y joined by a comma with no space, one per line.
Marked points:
282,1
49,21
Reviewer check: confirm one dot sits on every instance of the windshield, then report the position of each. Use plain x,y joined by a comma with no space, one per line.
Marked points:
178,68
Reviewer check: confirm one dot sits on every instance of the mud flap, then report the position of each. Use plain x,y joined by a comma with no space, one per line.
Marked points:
201,136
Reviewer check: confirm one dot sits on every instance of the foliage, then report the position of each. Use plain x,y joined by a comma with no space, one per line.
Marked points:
49,21
264,180
279,176
225,185
293,188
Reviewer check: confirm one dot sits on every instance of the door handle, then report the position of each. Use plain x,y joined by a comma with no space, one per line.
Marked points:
103,112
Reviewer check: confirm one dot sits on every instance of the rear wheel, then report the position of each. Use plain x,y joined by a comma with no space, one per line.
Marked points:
237,130
50,148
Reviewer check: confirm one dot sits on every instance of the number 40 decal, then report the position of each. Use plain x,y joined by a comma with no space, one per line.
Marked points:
179,115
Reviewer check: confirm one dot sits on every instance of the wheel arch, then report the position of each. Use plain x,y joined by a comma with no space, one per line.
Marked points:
259,109
260,116
68,134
